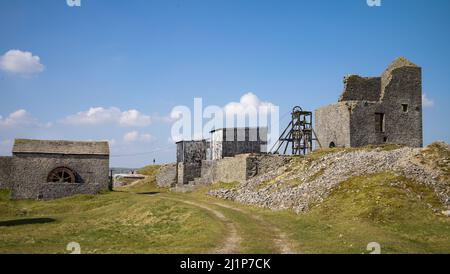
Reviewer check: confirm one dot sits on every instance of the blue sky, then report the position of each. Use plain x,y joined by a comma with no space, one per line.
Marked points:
133,61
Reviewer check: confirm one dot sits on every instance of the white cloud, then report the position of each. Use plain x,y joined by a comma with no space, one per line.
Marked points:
100,115
18,118
249,111
426,102
248,101
134,118
135,136
21,62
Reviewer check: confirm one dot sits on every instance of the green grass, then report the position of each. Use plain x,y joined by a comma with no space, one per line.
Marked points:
403,216
114,222
384,208
222,185
150,170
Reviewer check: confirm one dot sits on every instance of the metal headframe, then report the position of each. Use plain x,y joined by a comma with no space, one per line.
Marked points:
298,135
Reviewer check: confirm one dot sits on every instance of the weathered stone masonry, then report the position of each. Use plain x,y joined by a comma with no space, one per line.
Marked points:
5,171
33,170
375,110
225,158
190,155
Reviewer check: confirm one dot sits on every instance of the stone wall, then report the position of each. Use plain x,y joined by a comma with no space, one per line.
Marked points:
361,119
190,155
332,125
268,163
191,151
232,169
167,175
402,110
187,172
30,172
357,88
5,171
404,88
240,168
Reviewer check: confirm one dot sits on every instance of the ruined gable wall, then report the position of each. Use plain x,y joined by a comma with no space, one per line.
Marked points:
30,172
403,86
332,124
357,88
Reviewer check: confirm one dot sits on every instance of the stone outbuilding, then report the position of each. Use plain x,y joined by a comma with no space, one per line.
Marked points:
46,170
205,158
190,155
375,110
229,142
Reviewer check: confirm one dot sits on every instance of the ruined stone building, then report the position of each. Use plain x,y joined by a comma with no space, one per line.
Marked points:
375,110
190,155
200,159
228,142
53,169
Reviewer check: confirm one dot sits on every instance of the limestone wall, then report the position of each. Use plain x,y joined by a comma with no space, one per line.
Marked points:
380,110
167,175
357,88
240,168
332,125
5,171
403,87
233,169
187,172
266,163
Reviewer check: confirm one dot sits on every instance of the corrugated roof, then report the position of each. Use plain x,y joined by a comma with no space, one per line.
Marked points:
60,147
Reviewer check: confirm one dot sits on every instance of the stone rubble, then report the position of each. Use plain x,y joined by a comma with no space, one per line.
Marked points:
305,181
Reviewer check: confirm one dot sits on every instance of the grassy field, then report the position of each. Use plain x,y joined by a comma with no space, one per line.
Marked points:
403,217
116,222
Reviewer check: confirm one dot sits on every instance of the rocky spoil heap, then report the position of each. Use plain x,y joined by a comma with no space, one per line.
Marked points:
305,181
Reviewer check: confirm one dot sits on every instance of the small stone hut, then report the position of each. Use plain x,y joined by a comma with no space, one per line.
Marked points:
41,169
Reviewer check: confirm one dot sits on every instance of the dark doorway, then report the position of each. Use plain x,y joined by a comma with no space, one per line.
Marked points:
379,122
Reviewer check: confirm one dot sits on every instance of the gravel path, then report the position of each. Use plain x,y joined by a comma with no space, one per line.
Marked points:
280,239
232,241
